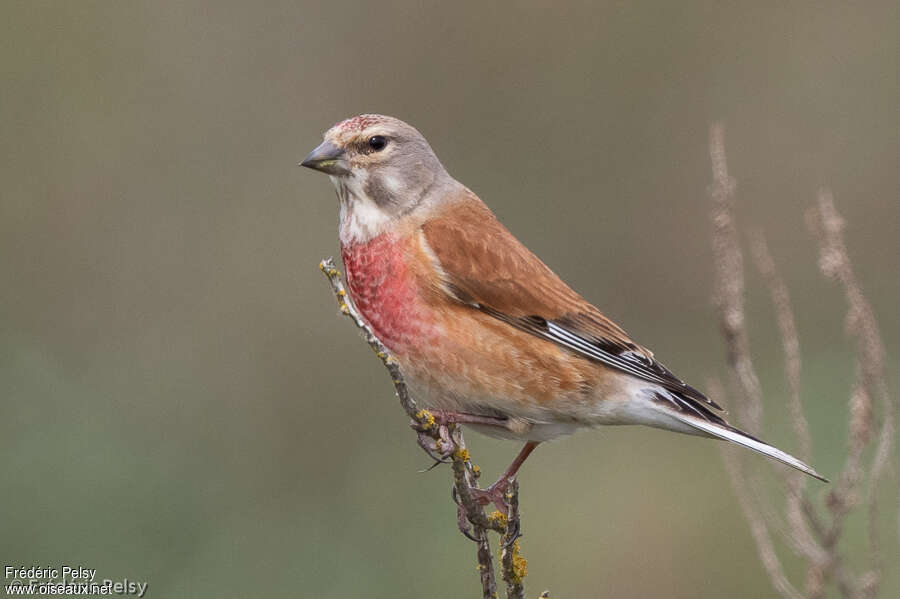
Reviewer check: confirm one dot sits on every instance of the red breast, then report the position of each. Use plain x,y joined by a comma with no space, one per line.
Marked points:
383,286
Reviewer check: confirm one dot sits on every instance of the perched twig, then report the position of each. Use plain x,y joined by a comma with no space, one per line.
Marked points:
514,565
465,474
811,535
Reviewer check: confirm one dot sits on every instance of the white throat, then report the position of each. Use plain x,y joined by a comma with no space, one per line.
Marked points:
361,219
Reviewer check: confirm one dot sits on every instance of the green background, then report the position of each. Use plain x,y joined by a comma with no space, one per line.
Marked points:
180,402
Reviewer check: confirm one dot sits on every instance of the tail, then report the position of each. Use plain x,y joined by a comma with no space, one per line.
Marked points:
729,433
700,419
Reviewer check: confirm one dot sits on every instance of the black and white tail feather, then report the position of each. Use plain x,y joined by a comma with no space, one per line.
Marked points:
705,422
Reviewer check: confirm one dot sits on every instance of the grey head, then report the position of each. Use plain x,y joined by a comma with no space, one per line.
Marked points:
381,162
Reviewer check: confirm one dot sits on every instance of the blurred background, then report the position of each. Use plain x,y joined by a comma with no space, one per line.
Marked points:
180,401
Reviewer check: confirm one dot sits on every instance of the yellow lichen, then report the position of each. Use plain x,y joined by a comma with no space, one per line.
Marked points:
497,517
476,470
341,293
461,454
426,419
519,565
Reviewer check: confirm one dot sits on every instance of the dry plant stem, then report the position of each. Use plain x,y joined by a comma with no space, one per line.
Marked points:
801,522
465,474
790,341
759,527
729,271
729,300
810,535
870,385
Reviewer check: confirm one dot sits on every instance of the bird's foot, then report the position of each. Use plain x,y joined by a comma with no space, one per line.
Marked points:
440,449
499,520
435,435
496,494
435,439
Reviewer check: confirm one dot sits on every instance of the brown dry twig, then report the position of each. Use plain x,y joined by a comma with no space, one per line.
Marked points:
465,473
812,536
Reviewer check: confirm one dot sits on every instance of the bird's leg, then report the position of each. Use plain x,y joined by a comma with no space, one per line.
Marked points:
442,445
496,493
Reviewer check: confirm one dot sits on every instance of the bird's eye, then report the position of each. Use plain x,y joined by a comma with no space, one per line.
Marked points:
377,142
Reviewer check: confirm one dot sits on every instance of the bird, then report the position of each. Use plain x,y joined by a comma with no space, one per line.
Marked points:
485,334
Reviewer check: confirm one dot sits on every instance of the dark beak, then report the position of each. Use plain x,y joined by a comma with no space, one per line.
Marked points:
327,158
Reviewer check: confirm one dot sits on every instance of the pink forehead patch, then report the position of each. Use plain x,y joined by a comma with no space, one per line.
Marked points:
358,123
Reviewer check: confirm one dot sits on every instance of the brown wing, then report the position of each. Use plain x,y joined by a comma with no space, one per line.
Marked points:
484,266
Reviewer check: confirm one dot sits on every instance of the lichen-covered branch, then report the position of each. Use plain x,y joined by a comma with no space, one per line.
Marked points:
810,534
470,513
514,565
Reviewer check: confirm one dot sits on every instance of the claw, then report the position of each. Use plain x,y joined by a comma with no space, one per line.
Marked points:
439,450
514,536
429,446
433,466
444,434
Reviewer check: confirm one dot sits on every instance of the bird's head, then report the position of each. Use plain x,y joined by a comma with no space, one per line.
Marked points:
379,160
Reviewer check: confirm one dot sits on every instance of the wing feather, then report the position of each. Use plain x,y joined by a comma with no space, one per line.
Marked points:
482,265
